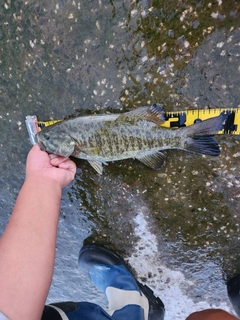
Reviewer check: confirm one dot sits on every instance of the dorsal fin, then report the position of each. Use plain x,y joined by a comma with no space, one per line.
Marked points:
155,114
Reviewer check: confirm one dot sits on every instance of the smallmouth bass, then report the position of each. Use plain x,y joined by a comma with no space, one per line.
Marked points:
135,134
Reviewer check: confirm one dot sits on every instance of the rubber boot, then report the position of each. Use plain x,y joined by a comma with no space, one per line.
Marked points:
233,288
128,299
74,311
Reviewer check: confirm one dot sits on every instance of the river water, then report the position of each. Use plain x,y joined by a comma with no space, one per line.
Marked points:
177,227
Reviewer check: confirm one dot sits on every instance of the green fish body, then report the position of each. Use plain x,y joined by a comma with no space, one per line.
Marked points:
135,134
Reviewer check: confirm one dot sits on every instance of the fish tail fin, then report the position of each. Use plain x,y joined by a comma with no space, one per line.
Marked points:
204,145
207,127
200,136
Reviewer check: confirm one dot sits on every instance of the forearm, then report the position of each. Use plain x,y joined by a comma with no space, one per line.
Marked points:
27,250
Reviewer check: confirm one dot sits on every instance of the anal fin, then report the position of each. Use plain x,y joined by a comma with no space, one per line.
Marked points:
155,160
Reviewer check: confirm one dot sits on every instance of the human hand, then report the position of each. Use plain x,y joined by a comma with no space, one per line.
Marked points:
49,167
211,314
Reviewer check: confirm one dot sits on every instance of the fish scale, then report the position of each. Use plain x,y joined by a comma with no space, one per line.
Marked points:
135,134
124,139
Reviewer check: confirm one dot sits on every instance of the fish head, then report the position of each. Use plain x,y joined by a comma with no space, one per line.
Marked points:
55,141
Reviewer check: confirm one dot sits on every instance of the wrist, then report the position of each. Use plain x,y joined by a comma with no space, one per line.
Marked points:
37,181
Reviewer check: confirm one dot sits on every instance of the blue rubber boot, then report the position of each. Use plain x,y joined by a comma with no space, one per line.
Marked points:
74,311
233,288
128,299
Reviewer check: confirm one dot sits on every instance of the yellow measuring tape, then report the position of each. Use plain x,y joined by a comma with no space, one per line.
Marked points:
188,117
177,119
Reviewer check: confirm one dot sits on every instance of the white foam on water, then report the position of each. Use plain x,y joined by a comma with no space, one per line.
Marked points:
165,283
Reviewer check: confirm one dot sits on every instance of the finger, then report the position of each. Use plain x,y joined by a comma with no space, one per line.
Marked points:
36,155
52,156
68,165
56,161
36,147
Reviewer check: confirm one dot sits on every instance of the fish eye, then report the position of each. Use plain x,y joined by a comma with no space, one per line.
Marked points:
46,136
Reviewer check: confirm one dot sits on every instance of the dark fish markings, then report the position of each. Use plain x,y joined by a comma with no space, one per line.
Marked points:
136,134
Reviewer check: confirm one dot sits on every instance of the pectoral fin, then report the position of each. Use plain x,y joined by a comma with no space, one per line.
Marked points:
90,151
155,161
97,165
